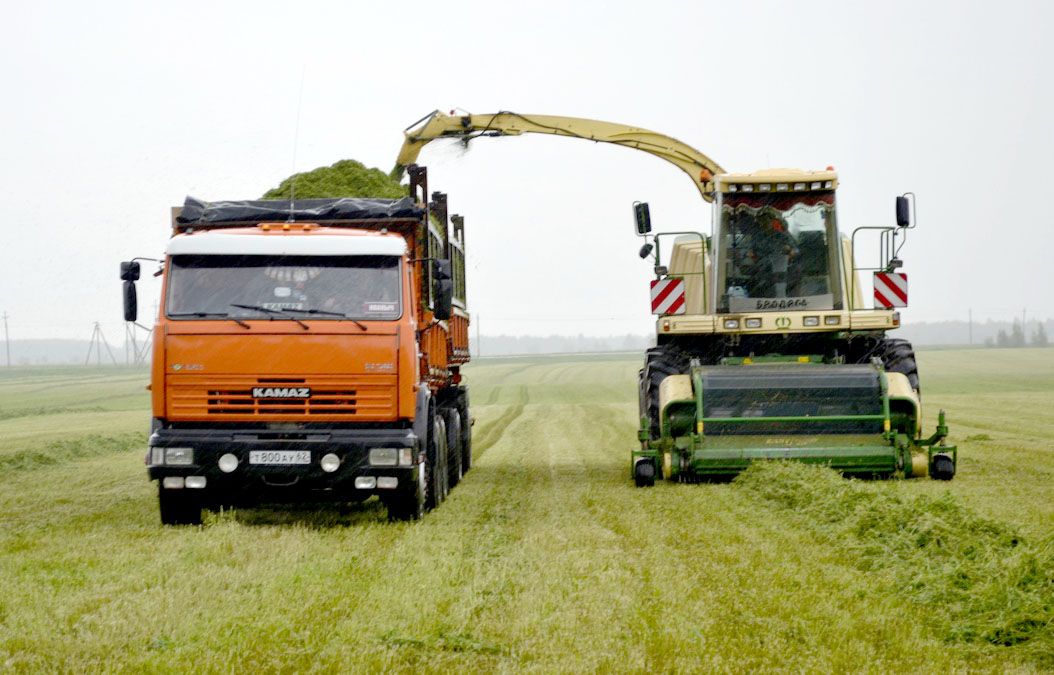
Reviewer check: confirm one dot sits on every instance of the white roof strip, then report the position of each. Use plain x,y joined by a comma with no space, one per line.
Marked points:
266,243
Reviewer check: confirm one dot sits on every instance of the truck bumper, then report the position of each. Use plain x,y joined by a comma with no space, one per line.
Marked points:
245,482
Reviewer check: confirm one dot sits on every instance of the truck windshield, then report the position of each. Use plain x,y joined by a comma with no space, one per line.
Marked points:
777,252
326,287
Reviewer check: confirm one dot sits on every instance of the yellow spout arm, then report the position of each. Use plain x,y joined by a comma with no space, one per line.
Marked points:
699,167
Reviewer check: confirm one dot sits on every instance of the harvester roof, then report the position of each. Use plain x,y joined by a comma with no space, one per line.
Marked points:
828,179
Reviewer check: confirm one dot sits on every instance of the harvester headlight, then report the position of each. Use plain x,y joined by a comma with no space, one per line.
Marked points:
799,186
179,456
816,185
765,187
733,188
832,320
329,462
753,323
827,185
384,456
228,462
782,187
732,323
747,187
811,321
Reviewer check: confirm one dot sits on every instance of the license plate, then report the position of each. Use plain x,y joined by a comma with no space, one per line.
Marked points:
279,457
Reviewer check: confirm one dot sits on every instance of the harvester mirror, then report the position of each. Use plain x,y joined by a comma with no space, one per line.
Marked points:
130,271
903,211
131,309
643,217
444,299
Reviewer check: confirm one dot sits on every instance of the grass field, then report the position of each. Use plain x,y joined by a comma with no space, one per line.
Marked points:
546,558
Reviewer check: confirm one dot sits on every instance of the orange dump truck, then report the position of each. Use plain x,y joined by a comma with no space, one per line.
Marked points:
309,352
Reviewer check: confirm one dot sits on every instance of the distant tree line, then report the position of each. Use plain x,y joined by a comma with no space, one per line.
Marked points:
1016,337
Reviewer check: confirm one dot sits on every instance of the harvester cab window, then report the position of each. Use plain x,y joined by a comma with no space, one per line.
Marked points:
777,252
327,287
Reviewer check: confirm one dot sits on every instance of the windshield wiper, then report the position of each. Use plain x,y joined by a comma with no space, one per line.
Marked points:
219,315
268,310
324,312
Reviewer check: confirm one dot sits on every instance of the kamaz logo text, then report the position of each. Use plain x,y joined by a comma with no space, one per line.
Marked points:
281,392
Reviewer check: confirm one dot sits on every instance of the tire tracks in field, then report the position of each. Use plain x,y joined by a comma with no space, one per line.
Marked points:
61,452
492,433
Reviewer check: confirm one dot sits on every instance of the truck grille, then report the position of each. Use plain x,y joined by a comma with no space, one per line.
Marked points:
361,398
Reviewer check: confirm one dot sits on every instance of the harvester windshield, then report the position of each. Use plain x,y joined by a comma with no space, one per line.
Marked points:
777,252
247,286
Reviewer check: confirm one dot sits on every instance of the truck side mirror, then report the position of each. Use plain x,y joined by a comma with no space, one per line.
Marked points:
444,299
131,309
903,211
442,268
642,216
130,271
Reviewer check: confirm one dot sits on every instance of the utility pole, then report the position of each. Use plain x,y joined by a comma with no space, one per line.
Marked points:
7,341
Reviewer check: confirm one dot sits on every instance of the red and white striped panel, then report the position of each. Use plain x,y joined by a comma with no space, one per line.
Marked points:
891,289
667,296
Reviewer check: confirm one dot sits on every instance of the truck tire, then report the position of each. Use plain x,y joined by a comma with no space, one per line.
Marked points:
410,504
453,445
438,470
659,363
466,432
899,357
177,507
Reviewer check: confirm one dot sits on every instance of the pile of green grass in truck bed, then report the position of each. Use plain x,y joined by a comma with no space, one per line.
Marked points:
346,178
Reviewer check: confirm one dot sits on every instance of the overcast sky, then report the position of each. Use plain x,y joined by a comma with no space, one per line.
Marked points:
115,111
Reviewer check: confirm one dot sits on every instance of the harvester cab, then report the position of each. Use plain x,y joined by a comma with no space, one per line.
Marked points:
764,346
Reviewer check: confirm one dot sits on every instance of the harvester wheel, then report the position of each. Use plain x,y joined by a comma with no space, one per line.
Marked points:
943,468
178,507
644,473
453,444
899,357
659,363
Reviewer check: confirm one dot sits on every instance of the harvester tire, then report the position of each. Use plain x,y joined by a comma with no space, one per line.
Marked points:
453,444
943,468
659,363
177,507
899,357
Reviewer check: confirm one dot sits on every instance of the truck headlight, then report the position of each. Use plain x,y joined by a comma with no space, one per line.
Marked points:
179,456
384,456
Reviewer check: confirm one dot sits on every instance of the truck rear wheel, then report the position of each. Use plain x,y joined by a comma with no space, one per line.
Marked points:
177,507
466,432
659,363
453,444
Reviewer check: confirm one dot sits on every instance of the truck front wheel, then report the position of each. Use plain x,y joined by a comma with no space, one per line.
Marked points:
178,507
410,504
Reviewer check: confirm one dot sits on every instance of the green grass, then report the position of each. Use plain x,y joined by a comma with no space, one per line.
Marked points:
546,558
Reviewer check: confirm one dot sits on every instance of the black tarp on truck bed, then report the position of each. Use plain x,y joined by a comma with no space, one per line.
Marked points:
201,213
